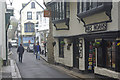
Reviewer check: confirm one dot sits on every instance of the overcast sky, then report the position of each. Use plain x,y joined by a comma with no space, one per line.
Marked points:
17,5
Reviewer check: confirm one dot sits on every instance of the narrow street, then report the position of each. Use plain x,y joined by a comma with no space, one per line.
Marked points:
32,68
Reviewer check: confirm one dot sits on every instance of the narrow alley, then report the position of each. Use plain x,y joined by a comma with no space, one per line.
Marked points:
32,68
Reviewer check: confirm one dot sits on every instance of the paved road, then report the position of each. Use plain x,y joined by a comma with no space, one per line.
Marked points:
32,68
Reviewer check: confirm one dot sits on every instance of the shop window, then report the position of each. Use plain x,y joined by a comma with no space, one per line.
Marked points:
110,54
61,48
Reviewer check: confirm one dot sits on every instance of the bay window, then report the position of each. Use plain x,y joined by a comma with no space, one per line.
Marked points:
60,10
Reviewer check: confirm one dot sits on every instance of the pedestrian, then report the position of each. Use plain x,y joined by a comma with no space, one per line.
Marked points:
20,52
38,51
9,45
34,49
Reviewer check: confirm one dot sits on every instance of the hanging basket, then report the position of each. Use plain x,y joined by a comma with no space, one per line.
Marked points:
97,44
54,43
62,43
118,43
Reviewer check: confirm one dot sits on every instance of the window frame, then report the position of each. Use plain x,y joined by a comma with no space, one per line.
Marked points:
29,27
101,7
61,48
32,5
29,18
103,52
59,13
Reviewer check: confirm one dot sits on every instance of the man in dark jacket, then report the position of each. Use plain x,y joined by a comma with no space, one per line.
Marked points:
20,51
38,48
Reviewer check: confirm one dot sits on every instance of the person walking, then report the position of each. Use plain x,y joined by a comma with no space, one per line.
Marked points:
38,51
9,45
20,52
34,47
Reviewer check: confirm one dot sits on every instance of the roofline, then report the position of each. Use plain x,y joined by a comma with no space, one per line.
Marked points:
28,3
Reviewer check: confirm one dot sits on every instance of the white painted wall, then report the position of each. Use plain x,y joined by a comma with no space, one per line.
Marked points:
68,54
24,15
77,28
2,30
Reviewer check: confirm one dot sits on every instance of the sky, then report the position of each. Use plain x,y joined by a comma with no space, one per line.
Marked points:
17,5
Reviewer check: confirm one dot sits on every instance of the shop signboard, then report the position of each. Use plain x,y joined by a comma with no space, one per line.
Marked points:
47,13
96,27
27,40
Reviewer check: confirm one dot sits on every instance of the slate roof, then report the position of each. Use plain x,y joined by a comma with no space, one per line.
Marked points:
28,3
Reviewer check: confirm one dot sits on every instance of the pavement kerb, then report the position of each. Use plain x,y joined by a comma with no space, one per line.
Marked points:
14,69
69,72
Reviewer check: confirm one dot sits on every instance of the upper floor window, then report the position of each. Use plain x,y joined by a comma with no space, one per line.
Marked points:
37,24
32,5
29,27
60,10
29,15
86,5
37,15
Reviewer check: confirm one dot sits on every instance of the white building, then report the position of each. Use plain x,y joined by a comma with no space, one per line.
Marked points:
29,18
76,36
42,29
2,31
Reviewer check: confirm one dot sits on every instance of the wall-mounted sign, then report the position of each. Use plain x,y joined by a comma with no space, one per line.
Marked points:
80,48
96,27
10,27
47,13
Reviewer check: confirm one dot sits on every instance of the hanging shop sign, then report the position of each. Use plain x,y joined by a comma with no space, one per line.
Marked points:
96,27
47,13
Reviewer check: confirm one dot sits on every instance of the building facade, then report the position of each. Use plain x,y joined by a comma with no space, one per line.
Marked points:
89,40
42,30
29,19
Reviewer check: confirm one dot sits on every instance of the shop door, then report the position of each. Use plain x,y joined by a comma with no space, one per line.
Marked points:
90,56
75,53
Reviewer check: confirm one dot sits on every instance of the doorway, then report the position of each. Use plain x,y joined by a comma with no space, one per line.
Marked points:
76,52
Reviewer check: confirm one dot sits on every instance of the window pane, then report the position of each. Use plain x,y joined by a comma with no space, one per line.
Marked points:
113,55
110,56
32,5
29,15
67,10
61,48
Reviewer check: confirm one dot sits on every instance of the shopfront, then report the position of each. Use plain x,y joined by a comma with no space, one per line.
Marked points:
102,50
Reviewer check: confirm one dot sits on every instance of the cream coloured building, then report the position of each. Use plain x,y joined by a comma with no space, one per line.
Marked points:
29,19
86,36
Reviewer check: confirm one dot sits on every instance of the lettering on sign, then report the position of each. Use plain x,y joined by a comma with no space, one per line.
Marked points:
96,27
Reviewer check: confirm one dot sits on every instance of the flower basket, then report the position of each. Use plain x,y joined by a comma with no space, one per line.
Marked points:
118,43
97,44
62,43
54,43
